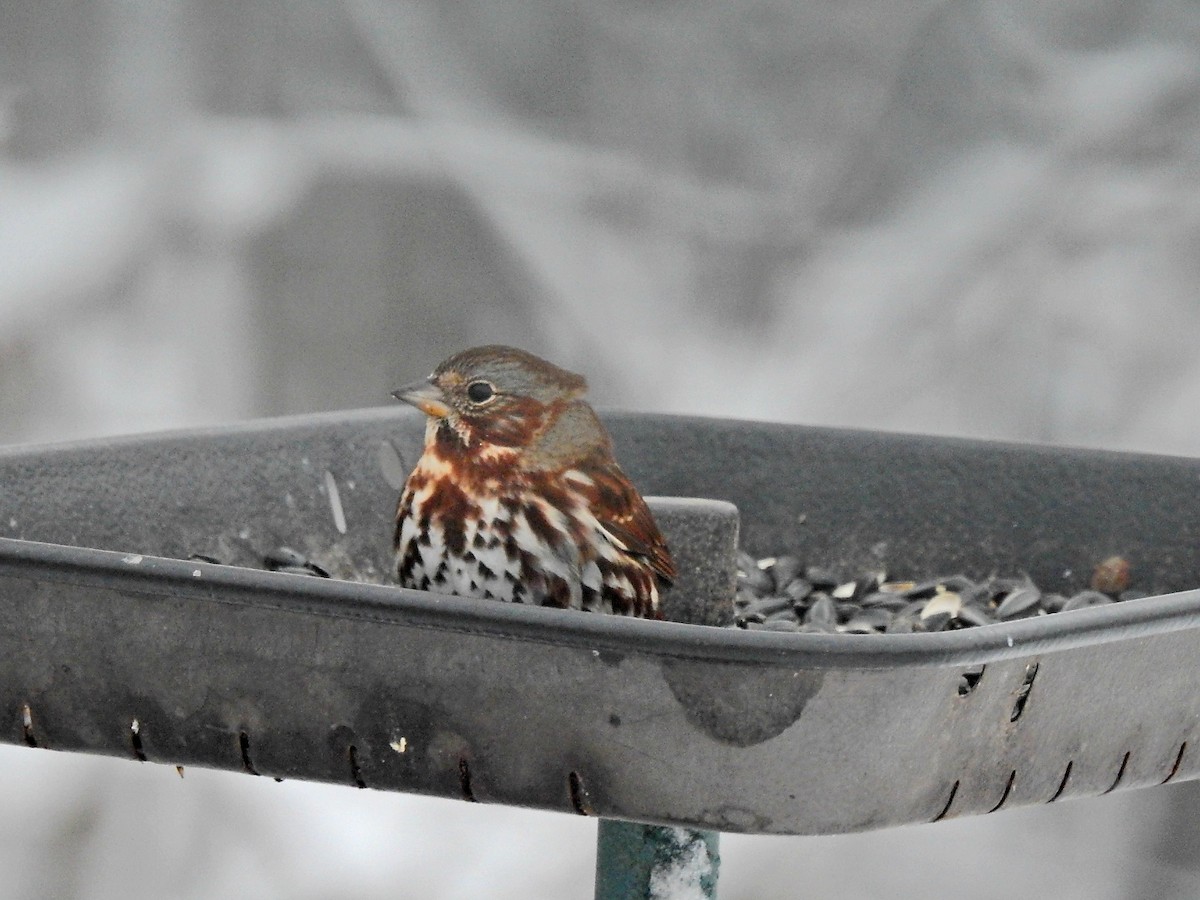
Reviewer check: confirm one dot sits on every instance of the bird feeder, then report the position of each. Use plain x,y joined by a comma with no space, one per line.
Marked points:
139,618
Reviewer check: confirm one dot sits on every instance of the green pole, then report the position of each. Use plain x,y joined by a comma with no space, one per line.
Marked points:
654,862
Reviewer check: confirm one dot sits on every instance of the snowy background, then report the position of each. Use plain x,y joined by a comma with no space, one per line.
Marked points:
978,218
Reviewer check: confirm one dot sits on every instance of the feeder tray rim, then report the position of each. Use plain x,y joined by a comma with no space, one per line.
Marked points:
390,605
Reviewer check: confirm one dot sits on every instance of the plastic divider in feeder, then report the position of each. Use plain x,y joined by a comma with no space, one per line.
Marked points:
703,536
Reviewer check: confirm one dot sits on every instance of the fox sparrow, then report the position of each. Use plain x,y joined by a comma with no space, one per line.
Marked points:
517,495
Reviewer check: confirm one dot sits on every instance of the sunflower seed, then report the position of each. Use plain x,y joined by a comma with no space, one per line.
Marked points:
922,590
881,600
798,588
1086,598
976,594
1053,602
946,602
821,578
786,569
294,570
999,587
960,584
755,579
859,626
870,583
282,557
788,614
822,613
936,622
770,605
974,615
874,618
1018,602
844,591
847,611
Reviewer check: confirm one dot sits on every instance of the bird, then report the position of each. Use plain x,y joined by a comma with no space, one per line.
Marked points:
517,495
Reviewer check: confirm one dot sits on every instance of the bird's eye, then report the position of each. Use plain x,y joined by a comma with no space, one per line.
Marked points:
480,392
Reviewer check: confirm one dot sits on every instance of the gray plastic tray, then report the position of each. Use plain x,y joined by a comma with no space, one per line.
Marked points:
104,623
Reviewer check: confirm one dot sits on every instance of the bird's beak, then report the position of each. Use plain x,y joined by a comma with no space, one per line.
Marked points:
426,397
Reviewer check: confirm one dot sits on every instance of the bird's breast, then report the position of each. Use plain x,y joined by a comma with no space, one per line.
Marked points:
498,532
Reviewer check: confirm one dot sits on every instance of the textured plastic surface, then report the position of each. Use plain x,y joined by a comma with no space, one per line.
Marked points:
361,683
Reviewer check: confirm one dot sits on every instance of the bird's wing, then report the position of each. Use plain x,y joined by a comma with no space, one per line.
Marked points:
624,515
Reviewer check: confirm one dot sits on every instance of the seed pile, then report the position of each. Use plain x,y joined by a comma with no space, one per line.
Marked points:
783,594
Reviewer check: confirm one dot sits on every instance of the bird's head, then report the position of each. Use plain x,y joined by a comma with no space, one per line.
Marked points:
494,396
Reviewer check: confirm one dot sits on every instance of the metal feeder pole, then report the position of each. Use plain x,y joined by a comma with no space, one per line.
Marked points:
654,862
